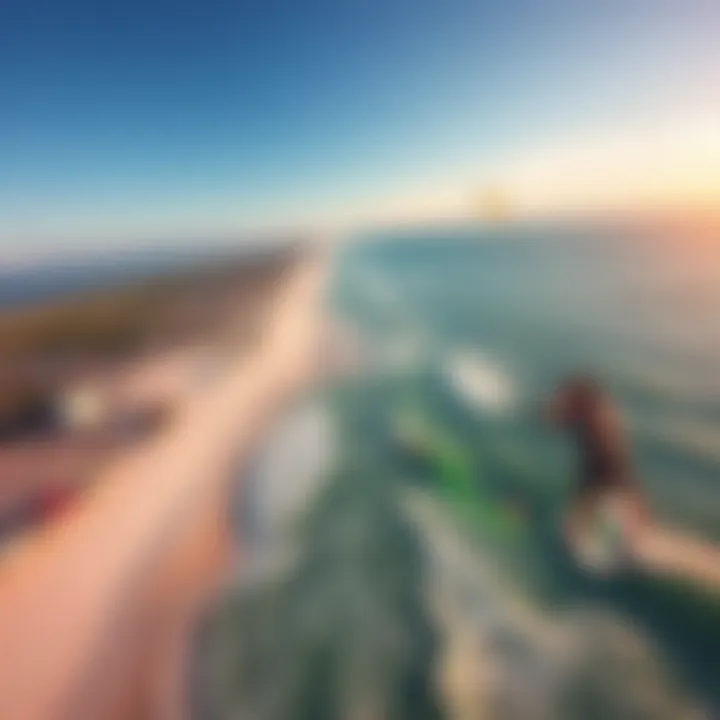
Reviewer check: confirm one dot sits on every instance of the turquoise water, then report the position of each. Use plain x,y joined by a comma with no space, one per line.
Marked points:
524,306
641,312
439,523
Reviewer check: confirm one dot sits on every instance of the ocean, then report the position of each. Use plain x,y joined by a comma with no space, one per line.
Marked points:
429,578
469,331
508,313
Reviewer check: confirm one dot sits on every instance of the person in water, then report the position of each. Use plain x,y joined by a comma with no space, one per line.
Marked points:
605,464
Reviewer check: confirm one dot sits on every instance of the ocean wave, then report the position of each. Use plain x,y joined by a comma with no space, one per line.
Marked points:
692,436
479,381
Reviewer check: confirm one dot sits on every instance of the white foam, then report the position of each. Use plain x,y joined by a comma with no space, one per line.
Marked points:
289,473
480,382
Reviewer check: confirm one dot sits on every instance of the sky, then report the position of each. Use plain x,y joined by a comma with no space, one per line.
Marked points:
141,119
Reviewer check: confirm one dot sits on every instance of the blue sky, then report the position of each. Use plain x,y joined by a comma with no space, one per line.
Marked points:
142,119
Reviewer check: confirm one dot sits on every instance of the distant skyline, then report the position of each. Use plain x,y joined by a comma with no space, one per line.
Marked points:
128,121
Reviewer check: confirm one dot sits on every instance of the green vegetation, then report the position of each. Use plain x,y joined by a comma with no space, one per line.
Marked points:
40,345
119,319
